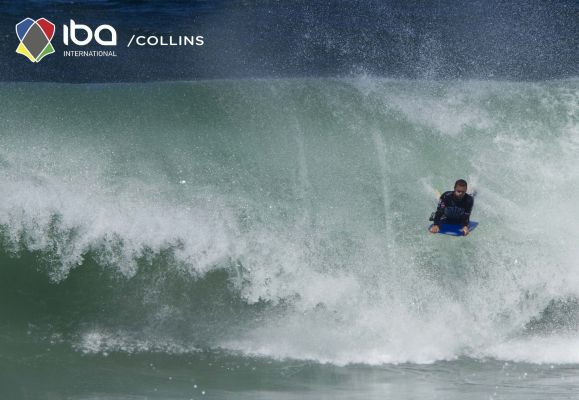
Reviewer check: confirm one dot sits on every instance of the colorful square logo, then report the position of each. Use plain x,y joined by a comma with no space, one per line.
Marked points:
35,37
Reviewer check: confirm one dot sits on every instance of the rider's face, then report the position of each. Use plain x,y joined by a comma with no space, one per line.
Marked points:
459,191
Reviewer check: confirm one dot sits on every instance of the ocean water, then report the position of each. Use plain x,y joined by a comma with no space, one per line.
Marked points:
266,239
444,40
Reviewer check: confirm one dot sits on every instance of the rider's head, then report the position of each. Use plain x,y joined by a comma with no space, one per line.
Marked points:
460,188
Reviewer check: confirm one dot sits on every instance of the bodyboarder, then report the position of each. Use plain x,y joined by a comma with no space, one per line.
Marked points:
454,207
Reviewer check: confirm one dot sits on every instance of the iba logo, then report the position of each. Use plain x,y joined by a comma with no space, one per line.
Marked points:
35,37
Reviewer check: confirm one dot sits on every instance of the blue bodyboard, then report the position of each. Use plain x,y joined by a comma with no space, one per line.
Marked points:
454,229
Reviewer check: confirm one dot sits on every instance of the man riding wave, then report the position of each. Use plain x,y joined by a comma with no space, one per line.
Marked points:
454,207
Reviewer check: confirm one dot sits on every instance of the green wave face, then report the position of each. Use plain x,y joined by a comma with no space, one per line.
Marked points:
269,217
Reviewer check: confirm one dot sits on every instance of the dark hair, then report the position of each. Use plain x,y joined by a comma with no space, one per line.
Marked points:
461,183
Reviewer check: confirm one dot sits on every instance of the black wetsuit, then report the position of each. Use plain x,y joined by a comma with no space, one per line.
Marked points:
452,210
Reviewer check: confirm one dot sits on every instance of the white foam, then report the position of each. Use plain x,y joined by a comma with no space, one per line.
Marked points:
554,349
68,221
105,342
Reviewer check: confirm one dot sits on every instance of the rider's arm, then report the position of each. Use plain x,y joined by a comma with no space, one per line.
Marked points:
439,210
467,211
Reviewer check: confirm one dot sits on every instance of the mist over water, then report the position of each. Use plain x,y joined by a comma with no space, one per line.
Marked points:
287,218
494,39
